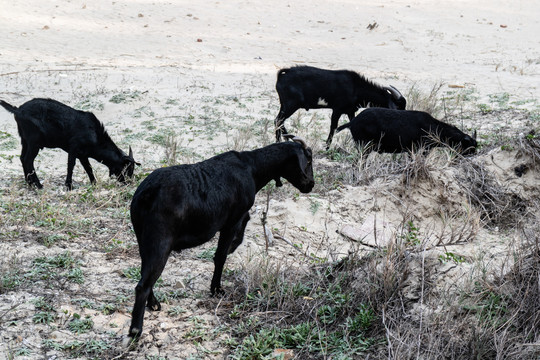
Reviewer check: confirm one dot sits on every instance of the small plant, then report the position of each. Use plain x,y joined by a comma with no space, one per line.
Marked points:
132,273
125,96
314,205
450,256
411,234
207,254
43,317
484,108
176,311
79,326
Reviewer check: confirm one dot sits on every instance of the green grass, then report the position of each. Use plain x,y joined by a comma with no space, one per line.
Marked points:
8,141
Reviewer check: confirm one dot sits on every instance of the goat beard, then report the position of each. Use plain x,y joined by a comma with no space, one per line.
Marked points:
278,182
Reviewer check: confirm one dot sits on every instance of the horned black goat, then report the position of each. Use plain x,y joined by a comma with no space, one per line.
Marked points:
343,91
49,123
184,206
395,131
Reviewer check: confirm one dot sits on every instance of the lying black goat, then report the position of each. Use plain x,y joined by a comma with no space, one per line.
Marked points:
395,131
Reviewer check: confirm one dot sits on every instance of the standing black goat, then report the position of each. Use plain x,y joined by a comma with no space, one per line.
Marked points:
180,207
395,131
343,91
49,123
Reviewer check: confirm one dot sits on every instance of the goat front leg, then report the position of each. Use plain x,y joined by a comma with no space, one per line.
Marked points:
86,165
71,165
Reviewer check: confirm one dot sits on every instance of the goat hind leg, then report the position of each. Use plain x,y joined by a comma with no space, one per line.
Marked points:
151,268
333,126
229,240
28,155
284,114
70,166
86,165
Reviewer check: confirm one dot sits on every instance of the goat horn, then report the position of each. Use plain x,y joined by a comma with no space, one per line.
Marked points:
300,141
130,152
395,92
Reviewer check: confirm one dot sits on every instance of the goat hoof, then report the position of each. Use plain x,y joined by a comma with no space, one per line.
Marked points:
153,304
132,338
217,292
36,184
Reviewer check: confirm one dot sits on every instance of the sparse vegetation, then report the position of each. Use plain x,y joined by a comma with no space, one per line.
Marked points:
70,260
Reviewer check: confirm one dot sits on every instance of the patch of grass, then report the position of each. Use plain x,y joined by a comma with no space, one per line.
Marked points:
429,101
8,141
207,254
89,103
132,273
54,270
45,313
334,319
80,326
76,348
125,97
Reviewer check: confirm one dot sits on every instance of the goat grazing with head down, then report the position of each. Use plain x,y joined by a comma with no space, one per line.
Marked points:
343,91
184,206
49,123
395,131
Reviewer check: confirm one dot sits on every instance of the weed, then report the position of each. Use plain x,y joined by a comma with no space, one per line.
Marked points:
125,96
90,348
7,141
80,326
450,256
132,273
176,311
207,254
410,237
43,317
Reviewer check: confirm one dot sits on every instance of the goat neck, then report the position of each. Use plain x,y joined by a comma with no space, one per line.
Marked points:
270,162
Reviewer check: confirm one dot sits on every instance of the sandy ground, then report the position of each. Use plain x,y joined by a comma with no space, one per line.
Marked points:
187,68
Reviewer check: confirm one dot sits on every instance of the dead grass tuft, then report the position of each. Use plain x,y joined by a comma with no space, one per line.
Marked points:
429,102
498,204
529,148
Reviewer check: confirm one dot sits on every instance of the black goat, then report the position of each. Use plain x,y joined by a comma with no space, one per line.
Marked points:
343,91
180,207
49,123
395,131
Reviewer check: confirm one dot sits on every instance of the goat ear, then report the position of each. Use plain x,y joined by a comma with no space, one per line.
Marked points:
474,135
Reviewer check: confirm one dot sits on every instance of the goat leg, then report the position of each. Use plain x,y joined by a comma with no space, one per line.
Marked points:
153,263
27,159
70,166
86,165
333,125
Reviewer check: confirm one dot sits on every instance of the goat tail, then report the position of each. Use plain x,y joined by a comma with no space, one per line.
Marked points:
9,107
344,126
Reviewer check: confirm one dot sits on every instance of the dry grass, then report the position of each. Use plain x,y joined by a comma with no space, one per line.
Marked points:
498,204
